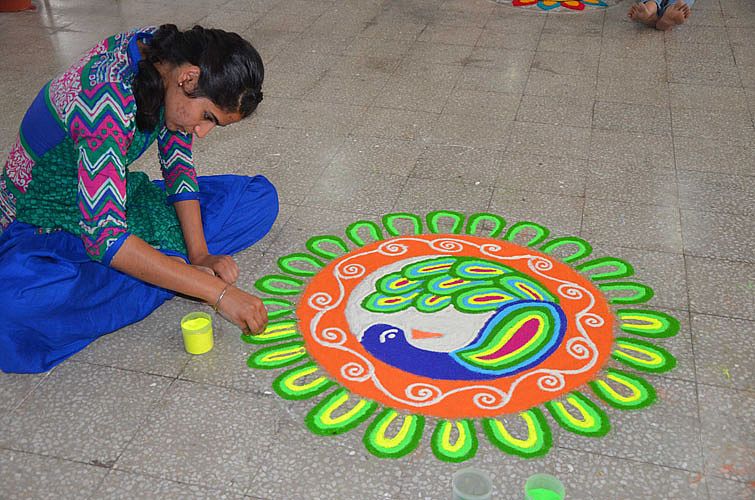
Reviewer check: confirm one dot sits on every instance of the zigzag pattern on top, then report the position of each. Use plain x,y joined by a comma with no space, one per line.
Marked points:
175,152
101,124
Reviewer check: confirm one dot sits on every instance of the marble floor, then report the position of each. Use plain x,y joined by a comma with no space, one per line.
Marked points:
641,142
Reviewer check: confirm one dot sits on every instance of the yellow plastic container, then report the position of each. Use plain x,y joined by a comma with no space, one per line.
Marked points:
197,332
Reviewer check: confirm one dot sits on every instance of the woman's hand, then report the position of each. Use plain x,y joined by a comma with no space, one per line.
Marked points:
243,309
223,265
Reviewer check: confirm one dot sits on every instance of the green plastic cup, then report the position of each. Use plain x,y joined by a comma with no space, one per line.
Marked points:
544,487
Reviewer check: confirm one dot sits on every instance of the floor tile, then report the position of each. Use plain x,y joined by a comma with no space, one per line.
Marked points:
718,235
26,475
714,155
539,139
723,351
14,387
83,412
561,214
221,450
724,488
593,475
726,415
542,174
612,150
554,111
425,195
737,278
460,164
646,227
633,185
716,192
119,484
631,117
318,463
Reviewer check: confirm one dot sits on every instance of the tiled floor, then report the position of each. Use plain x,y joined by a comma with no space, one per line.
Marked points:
639,141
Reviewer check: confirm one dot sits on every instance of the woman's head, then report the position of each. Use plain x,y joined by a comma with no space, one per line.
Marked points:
201,74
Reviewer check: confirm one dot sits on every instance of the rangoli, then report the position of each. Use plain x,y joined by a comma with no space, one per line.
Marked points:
479,328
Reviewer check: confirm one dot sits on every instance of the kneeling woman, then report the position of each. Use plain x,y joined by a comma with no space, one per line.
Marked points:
86,246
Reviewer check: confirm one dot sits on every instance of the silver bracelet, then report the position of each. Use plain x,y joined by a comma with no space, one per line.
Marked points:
220,297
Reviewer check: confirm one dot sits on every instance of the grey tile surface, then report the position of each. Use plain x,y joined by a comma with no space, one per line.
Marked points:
201,434
737,278
723,351
726,417
639,141
646,227
722,235
26,475
83,412
119,484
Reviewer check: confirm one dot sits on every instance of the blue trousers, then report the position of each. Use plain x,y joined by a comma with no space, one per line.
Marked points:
55,300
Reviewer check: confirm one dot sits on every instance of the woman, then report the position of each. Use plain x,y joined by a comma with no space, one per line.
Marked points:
88,247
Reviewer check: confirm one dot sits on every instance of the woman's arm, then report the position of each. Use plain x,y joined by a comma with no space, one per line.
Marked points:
190,218
136,258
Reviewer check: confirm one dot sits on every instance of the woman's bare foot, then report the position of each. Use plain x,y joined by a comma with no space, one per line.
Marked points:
644,13
674,16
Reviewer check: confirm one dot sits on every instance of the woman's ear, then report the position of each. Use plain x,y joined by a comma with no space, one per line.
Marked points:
188,78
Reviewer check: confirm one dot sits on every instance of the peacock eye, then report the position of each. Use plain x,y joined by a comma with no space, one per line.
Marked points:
388,335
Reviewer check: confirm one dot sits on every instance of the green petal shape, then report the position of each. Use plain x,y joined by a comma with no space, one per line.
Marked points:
430,303
583,248
277,356
396,284
537,442
434,217
286,308
476,219
328,417
286,264
352,232
288,385
274,332
380,303
463,448
402,442
526,288
389,221
449,285
270,284
634,392
646,323
426,268
315,245
618,268
541,232
478,269
482,300
642,355
639,293
592,421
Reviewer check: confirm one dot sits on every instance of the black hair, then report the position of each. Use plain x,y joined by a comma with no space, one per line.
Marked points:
231,71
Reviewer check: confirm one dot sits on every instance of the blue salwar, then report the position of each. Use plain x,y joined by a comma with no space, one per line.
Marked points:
55,300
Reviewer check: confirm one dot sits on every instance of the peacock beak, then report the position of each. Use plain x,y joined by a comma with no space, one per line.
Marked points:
421,334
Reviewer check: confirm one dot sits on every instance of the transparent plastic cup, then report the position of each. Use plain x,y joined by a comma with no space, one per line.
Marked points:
197,332
471,484
544,487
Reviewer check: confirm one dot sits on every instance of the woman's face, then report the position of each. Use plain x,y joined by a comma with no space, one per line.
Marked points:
191,115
